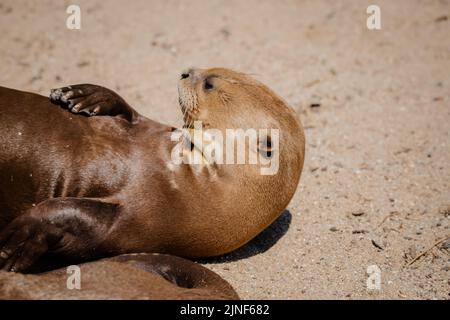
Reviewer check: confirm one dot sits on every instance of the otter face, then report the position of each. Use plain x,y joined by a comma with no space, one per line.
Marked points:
226,100
212,95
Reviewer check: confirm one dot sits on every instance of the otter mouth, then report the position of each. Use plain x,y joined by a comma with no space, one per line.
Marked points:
188,117
188,101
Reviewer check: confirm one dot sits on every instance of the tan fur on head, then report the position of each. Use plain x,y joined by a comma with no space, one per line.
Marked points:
212,95
225,99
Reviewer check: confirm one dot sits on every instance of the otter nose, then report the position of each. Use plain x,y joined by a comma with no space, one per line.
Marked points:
188,73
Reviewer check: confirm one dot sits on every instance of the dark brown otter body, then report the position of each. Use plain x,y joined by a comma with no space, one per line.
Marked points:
78,186
133,276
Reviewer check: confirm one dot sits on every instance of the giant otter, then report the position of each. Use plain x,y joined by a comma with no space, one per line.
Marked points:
78,188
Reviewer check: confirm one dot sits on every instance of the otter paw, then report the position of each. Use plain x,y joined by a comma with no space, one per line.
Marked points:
24,241
88,99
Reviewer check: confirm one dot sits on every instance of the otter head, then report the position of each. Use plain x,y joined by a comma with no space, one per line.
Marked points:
224,100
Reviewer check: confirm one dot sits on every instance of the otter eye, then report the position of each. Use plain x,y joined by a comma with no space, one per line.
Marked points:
265,148
208,84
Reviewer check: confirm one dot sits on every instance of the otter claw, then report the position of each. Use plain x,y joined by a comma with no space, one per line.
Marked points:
56,94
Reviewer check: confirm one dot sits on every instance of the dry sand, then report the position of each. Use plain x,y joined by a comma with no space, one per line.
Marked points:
378,147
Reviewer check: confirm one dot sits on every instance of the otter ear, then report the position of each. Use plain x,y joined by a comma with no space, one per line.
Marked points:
265,146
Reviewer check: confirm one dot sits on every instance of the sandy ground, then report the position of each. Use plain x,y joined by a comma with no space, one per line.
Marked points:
376,184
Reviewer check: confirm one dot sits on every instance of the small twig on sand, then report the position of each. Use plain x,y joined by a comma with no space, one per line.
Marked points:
376,245
426,251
